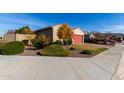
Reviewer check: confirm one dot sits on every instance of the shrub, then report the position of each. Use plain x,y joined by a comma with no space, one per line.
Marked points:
40,41
43,40
36,42
65,42
72,48
25,42
13,48
69,41
89,52
54,50
58,42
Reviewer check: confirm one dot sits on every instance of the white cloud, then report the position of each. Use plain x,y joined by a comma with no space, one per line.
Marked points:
113,28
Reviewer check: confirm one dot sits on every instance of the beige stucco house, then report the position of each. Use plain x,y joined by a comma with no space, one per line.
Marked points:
51,33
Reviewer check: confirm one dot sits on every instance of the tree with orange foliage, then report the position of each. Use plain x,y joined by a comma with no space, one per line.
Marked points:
65,32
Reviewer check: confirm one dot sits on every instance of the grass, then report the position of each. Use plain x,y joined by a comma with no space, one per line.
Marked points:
95,49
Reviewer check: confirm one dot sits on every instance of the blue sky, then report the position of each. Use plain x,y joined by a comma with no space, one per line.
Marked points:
104,22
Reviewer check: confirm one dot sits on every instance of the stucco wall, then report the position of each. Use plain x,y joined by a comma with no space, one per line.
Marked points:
10,37
55,29
18,37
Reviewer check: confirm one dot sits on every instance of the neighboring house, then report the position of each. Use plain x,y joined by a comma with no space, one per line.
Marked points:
88,37
100,38
91,36
18,37
51,34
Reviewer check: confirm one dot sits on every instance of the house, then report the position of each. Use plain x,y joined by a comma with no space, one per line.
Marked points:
100,38
88,37
51,34
18,37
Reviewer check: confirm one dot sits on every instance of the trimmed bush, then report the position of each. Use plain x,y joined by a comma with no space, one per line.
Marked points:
25,42
58,42
13,48
54,50
36,42
67,41
89,52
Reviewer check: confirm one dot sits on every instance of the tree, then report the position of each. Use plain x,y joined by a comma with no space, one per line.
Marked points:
43,40
26,30
18,31
65,32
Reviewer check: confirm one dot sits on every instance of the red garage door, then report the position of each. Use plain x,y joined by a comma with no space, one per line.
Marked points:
78,39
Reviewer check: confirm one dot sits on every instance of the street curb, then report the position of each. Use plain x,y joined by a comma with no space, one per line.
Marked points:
103,52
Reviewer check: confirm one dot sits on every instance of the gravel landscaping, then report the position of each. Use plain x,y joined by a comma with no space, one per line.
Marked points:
33,51
76,53
95,48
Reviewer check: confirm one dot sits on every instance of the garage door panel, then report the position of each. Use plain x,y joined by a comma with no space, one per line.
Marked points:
78,39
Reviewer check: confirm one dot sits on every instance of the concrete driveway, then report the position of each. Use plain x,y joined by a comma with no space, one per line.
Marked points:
100,67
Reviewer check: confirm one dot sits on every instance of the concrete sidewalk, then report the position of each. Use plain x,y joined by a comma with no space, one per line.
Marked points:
100,67
119,72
